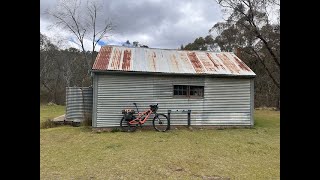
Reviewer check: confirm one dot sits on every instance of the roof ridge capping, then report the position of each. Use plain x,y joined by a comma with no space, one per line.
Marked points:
164,49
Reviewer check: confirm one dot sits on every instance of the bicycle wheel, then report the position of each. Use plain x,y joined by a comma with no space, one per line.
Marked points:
126,127
160,122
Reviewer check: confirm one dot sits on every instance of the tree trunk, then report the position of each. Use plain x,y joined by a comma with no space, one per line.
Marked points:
274,57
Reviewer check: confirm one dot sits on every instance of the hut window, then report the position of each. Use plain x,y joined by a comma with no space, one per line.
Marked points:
188,91
196,91
180,90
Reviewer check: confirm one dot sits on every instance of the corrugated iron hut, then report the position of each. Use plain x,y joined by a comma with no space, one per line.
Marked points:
216,87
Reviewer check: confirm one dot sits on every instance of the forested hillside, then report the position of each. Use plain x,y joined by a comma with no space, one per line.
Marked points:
60,68
254,36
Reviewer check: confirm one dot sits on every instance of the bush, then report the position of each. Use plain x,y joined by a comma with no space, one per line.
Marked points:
48,124
115,130
87,120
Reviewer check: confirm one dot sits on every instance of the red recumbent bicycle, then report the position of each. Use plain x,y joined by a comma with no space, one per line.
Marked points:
129,122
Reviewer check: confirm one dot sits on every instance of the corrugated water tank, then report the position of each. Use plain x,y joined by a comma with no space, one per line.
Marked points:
78,103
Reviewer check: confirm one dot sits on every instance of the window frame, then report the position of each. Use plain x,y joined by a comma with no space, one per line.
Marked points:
187,96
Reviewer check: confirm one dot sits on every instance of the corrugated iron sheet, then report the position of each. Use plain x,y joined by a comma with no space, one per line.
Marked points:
78,102
170,61
103,58
227,101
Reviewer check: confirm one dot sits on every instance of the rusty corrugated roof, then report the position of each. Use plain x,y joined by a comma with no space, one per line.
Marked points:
121,58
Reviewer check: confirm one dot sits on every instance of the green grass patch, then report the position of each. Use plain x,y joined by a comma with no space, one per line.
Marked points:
78,153
51,111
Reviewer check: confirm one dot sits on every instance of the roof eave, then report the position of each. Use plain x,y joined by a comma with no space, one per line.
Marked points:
161,73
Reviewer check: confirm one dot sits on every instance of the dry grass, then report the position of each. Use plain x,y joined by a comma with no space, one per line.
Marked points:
78,153
48,124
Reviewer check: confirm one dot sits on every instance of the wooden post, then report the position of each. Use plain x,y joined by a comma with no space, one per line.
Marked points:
189,118
169,112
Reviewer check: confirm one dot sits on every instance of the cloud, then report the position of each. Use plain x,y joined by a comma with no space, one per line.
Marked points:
156,23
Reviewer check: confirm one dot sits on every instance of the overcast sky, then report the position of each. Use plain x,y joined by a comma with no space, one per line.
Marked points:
156,23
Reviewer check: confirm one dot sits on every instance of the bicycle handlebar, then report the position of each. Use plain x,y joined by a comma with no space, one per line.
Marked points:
135,104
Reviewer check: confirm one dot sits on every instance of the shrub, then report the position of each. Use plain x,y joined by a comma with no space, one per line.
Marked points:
87,120
48,124
115,130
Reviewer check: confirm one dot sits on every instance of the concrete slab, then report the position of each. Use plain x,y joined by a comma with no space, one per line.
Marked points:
59,118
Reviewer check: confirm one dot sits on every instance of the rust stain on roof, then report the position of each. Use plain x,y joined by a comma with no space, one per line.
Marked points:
116,58
215,62
152,61
174,63
126,60
186,62
169,61
195,62
226,61
242,65
103,58
206,62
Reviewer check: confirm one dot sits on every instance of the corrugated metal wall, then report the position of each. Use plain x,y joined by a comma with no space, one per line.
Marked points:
78,102
226,101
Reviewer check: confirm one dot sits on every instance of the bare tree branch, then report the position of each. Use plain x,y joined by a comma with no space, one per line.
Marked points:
264,65
81,21
249,16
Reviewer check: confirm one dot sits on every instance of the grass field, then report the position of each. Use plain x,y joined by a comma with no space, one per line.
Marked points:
77,153
50,112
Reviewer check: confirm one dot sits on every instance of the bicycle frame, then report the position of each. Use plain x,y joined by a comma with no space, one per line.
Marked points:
160,121
139,120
